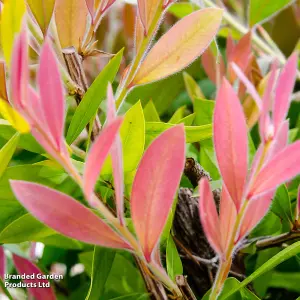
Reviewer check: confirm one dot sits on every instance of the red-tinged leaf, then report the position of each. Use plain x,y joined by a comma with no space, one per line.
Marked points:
255,211
3,90
231,142
264,120
65,215
249,86
155,186
209,217
20,72
105,4
52,94
240,55
297,213
147,11
230,46
98,154
282,167
117,157
209,62
91,7
42,11
228,215
284,89
139,34
180,46
70,17
2,263
281,139
25,266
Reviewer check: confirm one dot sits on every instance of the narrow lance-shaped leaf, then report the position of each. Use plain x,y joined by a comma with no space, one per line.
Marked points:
180,46
52,94
147,11
11,20
286,82
25,266
209,217
282,167
231,141
7,151
154,187
42,11
70,17
65,215
117,157
228,216
255,211
97,156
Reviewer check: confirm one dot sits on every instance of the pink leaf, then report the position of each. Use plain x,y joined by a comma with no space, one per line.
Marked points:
97,156
209,217
65,215
281,139
155,185
117,157
264,121
250,87
52,94
20,72
286,82
25,266
227,217
230,46
254,213
231,142
91,7
2,263
282,167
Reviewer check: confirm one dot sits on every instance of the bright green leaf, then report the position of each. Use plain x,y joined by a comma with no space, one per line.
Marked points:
174,264
192,87
181,10
193,133
150,112
7,151
204,111
188,120
92,99
260,10
282,256
178,115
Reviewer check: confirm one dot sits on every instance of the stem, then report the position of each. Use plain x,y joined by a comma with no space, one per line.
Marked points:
122,93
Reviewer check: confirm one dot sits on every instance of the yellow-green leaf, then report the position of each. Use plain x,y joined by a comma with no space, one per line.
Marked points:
7,151
42,11
70,18
11,20
180,46
150,112
13,117
192,87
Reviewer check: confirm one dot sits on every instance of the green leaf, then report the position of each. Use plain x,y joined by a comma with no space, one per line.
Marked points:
192,87
132,134
204,111
285,280
208,160
7,152
181,10
93,97
260,10
27,228
133,296
178,115
150,112
174,264
193,133
26,141
281,205
103,259
269,265
188,120
230,284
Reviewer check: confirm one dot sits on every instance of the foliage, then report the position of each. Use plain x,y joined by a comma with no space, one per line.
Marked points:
101,104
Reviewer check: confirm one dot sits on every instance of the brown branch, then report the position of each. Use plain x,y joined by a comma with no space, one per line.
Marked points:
185,288
274,241
194,172
74,65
